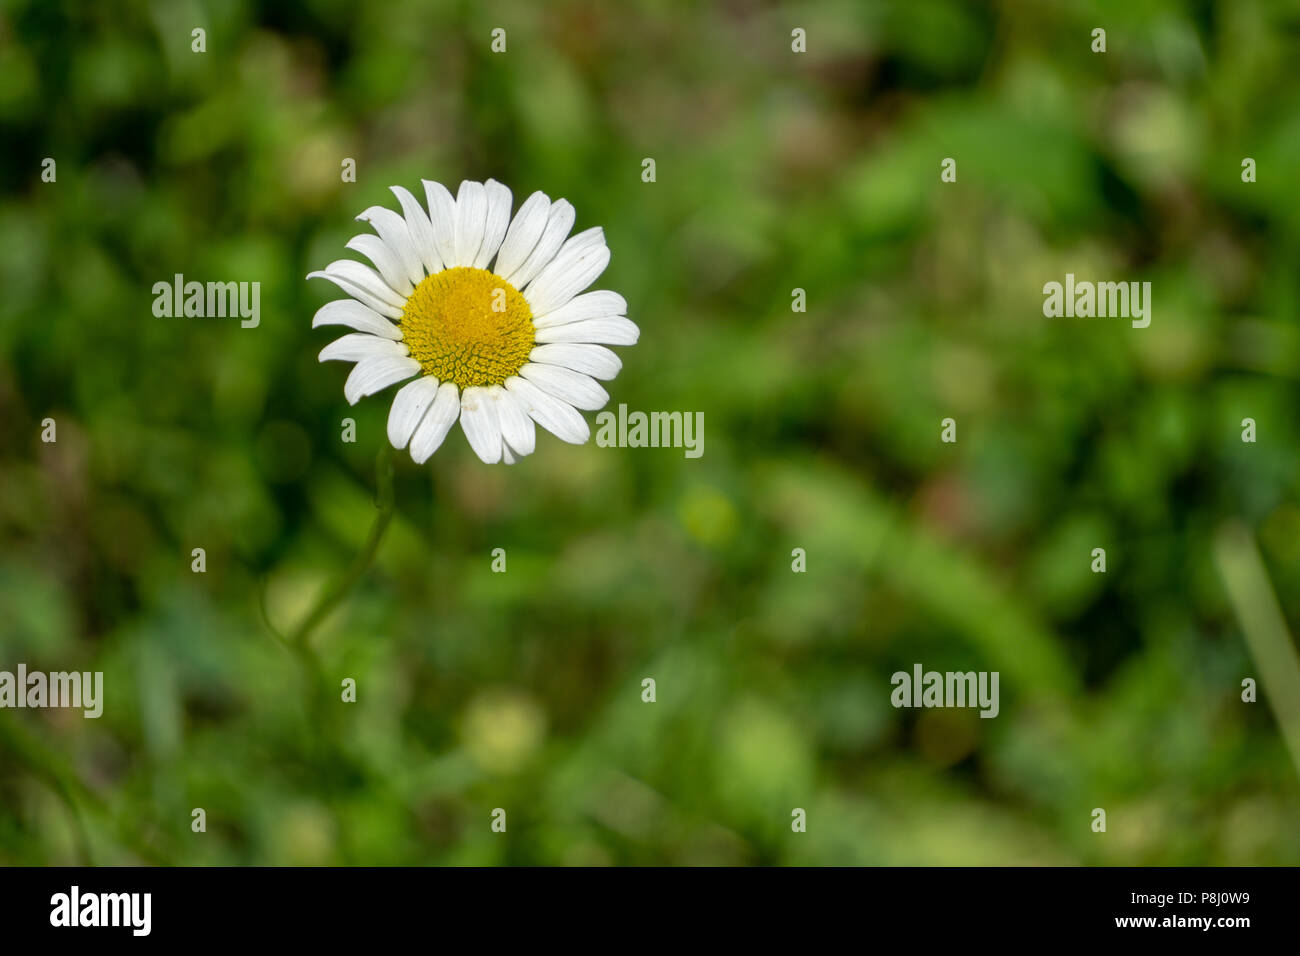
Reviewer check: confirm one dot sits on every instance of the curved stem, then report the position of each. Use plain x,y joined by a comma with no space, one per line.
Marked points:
340,587
298,640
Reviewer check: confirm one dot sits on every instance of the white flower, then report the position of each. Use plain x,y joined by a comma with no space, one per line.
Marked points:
486,316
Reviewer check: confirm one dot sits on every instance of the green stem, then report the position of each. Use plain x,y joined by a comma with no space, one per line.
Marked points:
339,588
299,640
26,750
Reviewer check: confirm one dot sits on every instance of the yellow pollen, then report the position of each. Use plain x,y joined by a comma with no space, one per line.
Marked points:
468,326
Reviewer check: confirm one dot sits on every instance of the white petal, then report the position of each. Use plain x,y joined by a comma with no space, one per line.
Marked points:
356,346
385,260
363,285
595,360
421,230
442,216
409,405
507,458
516,427
521,238
478,419
397,236
498,220
580,391
577,265
559,220
354,315
436,423
610,330
377,372
561,420
471,217
589,305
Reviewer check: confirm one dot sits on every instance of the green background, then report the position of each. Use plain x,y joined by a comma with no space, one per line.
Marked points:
522,690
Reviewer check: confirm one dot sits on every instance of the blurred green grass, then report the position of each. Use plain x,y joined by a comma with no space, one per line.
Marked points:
523,690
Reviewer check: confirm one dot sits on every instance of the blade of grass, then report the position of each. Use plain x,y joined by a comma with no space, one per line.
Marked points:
1265,629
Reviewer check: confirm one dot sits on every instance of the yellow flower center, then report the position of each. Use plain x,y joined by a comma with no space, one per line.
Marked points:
468,326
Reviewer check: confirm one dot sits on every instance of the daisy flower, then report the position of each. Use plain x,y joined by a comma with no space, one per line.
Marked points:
485,315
